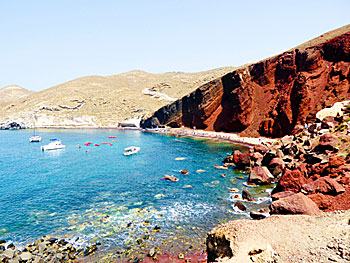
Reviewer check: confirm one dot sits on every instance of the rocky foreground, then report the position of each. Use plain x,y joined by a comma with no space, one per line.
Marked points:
290,238
43,250
311,170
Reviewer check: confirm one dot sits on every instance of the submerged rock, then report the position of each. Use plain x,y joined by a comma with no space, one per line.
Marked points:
170,178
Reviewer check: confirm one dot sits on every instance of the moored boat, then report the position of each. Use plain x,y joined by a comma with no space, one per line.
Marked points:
131,150
35,138
54,144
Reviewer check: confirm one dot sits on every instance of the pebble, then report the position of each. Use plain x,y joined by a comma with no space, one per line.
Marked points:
181,256
25,256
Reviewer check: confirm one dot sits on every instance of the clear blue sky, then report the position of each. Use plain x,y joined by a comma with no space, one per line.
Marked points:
45,43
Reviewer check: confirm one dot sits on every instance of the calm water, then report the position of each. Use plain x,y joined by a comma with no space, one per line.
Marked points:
96,193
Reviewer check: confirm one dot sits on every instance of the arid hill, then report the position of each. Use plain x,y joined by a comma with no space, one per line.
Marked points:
12,93
270,97
97,101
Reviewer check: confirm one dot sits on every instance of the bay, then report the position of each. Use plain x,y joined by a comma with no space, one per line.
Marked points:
94,193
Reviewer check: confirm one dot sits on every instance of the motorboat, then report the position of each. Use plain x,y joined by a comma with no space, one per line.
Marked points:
35,138
131,150
54,144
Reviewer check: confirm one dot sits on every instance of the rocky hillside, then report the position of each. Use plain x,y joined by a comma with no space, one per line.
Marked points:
12,93
104,101
272,96
310,172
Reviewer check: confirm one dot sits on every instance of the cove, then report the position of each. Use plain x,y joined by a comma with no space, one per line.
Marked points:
89,194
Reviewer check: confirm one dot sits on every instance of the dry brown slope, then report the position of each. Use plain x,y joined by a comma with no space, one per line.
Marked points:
105,101
12,93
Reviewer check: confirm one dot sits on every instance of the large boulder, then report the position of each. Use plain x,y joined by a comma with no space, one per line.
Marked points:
327,142
294,204
276,166
336,161
242,160
280,195
247,196
260,148
257,158
260,175
324,185
320,200
292,180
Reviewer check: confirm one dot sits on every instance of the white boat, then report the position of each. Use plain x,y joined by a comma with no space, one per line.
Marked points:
131,150
54,144
35,138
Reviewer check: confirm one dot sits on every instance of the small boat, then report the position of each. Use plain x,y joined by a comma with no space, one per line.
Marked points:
35,138
54,144
131,150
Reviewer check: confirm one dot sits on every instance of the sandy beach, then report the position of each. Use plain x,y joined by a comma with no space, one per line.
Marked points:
231,137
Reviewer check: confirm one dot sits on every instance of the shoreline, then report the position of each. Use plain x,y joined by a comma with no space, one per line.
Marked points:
186,132
222,136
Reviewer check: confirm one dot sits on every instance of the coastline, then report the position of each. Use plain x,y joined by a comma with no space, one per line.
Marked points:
230,137
186,132
219,136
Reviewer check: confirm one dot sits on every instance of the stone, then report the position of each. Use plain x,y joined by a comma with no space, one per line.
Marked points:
89,250
320,200
240,206
263,255
294,204
181,256
327,142
336,161
184,172
152,252
292,180
170,178
276,167
286,140
260,148
280,195
9,253
257,158
313,158
260,175
11,246
25,256
247,196
52,240
324,185
258,215
242,160
14,260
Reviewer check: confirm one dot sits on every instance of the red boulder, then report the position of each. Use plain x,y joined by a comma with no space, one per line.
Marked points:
260,175
324,185
294,204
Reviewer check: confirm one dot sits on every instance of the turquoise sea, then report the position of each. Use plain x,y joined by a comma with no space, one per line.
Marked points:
96,194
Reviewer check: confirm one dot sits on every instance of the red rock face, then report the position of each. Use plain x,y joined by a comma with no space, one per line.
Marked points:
270,97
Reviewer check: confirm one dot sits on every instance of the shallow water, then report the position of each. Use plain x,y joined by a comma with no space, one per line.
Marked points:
96,194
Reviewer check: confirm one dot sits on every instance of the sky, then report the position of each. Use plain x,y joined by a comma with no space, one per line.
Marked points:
45,43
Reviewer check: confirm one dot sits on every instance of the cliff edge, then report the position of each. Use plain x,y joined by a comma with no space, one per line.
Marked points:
271,97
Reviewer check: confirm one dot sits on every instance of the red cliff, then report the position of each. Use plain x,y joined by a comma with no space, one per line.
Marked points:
271,97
